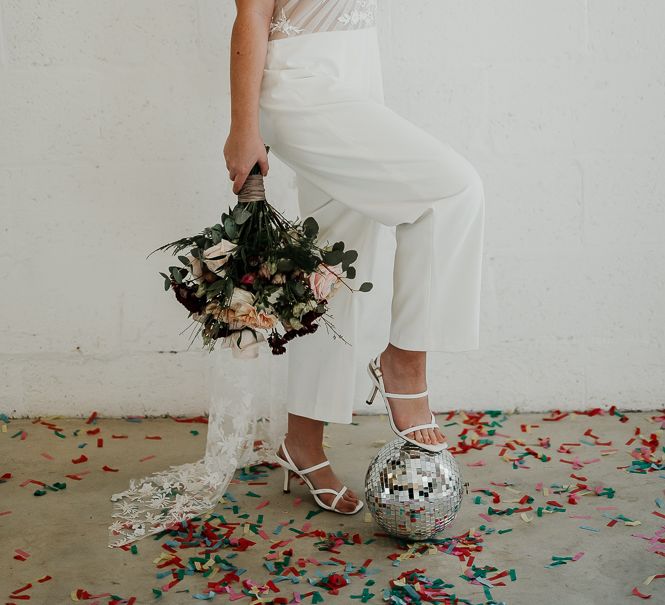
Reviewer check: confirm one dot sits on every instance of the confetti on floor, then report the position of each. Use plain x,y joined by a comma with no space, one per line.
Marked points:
548,494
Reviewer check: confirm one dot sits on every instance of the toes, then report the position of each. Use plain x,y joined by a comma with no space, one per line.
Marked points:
418,436
440,436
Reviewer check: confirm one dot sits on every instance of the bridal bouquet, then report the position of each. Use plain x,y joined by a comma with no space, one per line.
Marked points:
255,274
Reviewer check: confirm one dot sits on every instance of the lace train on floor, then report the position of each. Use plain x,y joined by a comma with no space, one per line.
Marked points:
247,419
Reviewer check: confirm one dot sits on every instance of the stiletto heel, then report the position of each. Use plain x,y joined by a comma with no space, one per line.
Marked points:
287,481
375,373
291,469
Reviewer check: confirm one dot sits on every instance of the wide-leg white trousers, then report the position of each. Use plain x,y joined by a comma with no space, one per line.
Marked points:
369,176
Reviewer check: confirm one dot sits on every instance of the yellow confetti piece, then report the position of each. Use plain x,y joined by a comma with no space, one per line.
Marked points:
525,517
632,523
367,518
4,428
510,489
649,580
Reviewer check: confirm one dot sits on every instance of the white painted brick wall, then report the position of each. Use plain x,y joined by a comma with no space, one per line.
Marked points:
113,115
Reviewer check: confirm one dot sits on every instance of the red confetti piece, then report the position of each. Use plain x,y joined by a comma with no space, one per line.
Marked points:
201,419
108,469
28,481
637,593
100,442
21,555
93,431
80,459
152,437
47,456
91,418
146,458
119,436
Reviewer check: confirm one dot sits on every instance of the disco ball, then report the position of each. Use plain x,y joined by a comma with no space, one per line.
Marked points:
411,492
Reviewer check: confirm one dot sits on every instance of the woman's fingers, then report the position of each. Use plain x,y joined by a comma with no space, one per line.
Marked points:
239,181
263,164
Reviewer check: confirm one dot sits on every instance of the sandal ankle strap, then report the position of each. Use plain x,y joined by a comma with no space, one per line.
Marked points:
406,395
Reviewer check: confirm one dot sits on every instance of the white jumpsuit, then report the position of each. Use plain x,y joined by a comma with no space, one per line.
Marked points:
363,170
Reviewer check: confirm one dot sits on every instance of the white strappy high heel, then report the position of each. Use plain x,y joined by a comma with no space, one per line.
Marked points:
290,467
376,375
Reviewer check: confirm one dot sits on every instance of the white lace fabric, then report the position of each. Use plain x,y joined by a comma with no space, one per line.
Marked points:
296,17
247,420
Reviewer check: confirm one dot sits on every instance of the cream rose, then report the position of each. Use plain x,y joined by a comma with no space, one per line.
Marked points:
325,280
223,249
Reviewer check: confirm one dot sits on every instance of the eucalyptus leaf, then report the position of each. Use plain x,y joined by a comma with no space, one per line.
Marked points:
350,272
310,226
228,288
230,228
285,264
167,283
366,286
338,246
350,256
184,260
241,214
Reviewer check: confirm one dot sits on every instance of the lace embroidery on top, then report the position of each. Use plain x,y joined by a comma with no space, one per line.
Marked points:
292,17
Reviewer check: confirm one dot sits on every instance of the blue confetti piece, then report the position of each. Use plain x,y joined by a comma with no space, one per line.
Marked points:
588,528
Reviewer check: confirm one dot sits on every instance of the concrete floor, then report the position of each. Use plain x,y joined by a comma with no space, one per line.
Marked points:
64,532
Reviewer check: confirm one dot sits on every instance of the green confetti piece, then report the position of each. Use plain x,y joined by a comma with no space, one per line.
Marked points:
313,513
504,531
39,492
194,432
61,435
134,549
317,598
512,575
253,495
157,593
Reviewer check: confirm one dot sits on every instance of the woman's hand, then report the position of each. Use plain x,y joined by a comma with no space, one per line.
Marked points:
242,150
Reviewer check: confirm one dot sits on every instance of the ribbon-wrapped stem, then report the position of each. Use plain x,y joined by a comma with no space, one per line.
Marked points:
253,189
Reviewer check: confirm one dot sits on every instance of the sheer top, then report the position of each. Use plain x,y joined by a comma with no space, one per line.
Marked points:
294,17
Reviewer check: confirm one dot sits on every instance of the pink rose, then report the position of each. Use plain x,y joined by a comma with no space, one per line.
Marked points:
247,279
325,280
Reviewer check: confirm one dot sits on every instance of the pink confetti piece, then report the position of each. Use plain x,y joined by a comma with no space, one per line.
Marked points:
580,516
47,456
263,504
479,463
486,517
5,512
578,556
146,458
606,508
